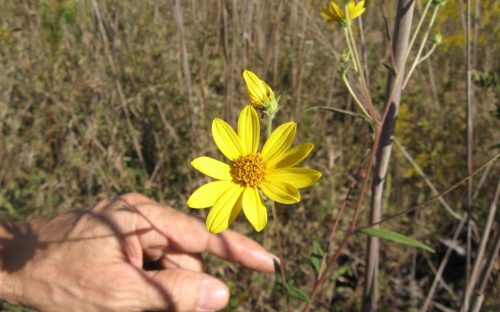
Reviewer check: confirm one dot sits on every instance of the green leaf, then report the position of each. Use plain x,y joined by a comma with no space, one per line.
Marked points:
390,67
277,271
346,112
396,237
296,293
316,257
287,289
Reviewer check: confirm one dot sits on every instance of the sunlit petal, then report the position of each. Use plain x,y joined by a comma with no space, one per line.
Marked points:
249,130
279,141
206,195
226,139
280,192
219,216
297,177
357,9
254,209
292,157
360,5
351,7
212,168
333,13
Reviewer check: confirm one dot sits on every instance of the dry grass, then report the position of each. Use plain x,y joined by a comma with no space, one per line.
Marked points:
97,105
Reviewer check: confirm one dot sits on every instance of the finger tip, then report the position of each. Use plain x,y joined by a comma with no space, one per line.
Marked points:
214,295
264,261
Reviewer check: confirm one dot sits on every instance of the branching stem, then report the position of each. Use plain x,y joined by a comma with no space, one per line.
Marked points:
419,58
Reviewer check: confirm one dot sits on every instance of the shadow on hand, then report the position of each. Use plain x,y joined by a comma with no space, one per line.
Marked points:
23,241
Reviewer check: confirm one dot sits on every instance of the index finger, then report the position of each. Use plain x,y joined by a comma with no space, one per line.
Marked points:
171,228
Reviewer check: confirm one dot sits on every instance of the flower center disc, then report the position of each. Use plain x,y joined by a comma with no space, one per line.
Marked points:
249,170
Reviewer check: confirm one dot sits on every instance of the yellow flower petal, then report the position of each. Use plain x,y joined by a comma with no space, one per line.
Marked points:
333,13
254,209
212,168
219,216
226,139
351,8
292,157
206,195
249,130
297,177
336,11
236,209
360,6
359,12
279,141
326,15
280,192
356,10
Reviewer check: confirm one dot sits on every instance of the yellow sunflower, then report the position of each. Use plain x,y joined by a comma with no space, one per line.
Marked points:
333,13
239,184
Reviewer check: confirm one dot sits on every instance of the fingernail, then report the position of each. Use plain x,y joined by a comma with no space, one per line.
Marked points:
214,295
265,259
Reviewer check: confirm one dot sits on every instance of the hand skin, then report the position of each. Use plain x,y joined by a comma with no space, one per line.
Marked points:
94,260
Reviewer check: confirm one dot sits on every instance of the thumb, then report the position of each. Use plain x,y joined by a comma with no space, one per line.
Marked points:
184,290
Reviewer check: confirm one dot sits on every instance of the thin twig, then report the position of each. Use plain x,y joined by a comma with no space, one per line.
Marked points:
427,181
342,207
482,247
442,266
481,182
478,298
428,201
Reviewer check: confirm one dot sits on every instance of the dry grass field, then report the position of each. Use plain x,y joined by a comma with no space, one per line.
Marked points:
99,98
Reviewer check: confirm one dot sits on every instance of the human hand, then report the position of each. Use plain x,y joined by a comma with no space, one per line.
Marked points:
94,260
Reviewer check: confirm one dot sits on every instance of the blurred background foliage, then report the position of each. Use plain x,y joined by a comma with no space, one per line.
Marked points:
99,98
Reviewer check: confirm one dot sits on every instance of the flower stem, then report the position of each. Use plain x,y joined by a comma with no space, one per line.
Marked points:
427,55
277,229
269,125
419,58
349,46
351,43
417,29
278,241
351,91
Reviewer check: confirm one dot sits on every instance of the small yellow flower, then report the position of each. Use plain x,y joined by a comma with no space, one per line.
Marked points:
239,184
260,94
258,90
333,13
